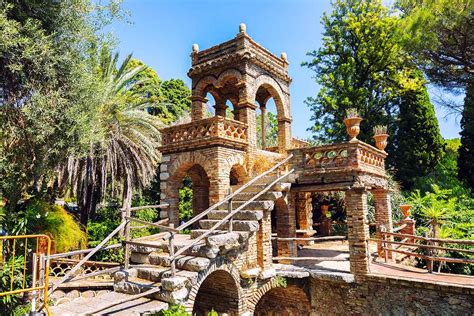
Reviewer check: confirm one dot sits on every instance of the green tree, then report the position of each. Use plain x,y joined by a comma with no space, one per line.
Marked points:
148,84
176,97
44,79
123,154
418,141
271,130
439,35
357,67
466,151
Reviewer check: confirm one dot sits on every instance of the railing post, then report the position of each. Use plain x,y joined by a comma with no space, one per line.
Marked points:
127,238
171,250
429,264
231,221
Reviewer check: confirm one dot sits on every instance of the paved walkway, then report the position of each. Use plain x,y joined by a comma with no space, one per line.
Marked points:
339,251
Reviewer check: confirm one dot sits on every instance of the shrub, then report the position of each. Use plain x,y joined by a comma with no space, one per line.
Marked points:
53,220
12,304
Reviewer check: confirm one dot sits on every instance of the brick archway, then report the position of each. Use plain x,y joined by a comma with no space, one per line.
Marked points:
271,298
218,288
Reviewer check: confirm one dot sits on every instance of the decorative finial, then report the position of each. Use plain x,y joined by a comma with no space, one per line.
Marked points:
283,56
195,48
242,28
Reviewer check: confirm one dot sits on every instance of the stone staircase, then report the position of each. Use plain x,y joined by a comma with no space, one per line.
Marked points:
150,275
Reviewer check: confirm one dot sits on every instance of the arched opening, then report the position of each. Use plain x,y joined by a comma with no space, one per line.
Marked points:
218,292
237,175
290,300
193,192
270,133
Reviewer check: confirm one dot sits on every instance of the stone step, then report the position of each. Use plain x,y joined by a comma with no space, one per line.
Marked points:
250,215
189,263
195,233
160,273
85,306
266,205
257,187
238,225
269,195
135,285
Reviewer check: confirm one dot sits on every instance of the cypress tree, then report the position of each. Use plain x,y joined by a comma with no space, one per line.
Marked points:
419,142
466,151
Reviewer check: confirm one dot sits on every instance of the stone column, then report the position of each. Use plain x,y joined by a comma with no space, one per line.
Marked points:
168,192
198,108
284,134
263,113
304,211
383,214
247,114
264,235
358,231
220,108
286,227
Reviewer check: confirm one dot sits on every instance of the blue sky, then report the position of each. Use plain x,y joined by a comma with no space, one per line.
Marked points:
162,32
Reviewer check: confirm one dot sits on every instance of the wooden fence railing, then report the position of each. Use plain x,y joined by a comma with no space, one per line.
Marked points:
431,245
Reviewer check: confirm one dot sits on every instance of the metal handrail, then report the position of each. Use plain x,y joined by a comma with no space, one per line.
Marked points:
230,196
71,272
173,257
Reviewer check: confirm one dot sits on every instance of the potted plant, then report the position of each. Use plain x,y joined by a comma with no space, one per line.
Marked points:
352,122
380,136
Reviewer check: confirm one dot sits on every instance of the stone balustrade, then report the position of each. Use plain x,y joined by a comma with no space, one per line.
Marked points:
343,157
204,133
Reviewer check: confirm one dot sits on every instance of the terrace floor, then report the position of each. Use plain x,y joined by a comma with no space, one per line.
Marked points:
335,259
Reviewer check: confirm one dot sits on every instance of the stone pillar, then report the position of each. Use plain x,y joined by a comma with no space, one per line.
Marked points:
220,108
286,226
264,242
284,134
304,214
263,113
383,214
168,193
358,231
198,108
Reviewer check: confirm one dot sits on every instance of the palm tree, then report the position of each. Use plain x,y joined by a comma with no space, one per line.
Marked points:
123,155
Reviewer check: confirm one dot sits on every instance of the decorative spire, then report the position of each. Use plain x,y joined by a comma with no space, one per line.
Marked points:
242,28
283,56
195,48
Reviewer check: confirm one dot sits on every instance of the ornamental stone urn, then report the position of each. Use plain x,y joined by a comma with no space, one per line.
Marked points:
381,141
405,208
353,127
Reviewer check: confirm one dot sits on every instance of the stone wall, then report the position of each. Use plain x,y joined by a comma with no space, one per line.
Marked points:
386,296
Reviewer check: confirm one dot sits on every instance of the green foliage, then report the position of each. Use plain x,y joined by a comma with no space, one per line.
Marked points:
271,130
12,304
174,310
39,217
124,148
44,79
444,174
148,84
358,67
419,145
466,151
186,201
439,35
176,97
280,281
445,215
